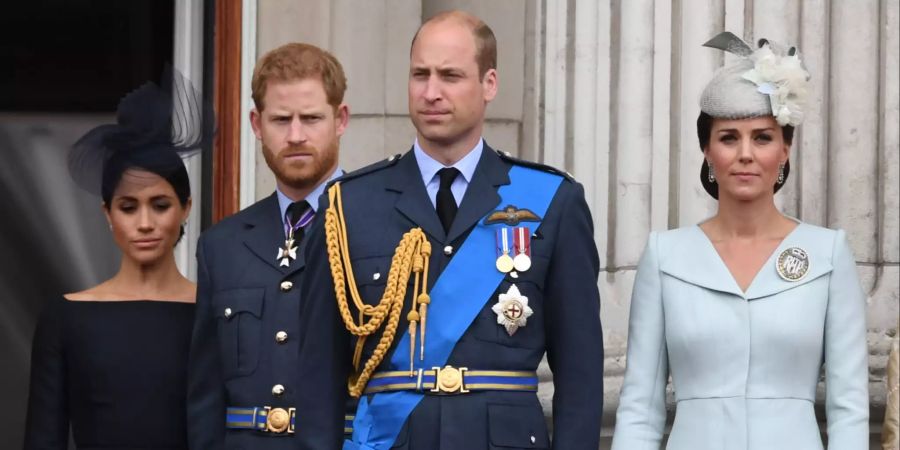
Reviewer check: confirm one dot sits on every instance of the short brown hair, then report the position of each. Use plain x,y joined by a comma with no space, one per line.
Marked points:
485,42
296,61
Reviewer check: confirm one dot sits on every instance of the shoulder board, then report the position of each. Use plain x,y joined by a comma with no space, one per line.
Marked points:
374,167
507,156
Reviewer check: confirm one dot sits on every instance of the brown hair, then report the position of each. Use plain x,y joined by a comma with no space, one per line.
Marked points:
485,42
296,61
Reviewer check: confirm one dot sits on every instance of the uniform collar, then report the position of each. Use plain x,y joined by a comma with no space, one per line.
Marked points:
313,198
429,166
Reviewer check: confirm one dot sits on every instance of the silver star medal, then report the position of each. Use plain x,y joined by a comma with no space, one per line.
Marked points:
512,310
287,253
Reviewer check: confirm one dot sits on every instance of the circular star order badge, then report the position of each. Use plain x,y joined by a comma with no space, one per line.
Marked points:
512,310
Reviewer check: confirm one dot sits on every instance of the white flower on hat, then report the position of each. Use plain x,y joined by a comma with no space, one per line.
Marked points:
784,80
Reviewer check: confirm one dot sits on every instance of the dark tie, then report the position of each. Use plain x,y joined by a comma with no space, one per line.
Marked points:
445,203
298,215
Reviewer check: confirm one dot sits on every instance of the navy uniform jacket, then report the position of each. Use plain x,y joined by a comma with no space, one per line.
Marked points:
384,201
244,299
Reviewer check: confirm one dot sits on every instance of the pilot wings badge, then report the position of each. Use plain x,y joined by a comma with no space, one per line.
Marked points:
511,216
512,310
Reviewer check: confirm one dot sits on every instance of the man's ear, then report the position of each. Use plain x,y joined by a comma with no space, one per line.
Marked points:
489,84
342,118
256,123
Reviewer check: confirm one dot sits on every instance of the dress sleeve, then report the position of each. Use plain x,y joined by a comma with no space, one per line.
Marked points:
47,422
641,417
846,354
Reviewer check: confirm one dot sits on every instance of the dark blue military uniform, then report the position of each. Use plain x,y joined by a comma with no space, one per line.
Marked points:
259,347
382,202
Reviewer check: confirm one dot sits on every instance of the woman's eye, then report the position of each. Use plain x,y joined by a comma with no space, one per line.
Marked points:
127,208
727,138
162,206
764,138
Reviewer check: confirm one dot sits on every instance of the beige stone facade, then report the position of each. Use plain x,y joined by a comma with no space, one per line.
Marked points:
608,89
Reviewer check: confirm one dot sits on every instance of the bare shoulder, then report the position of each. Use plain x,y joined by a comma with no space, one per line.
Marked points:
90,294
187,292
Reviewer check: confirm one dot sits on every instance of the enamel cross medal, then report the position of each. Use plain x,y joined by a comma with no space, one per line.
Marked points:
287,253
294,232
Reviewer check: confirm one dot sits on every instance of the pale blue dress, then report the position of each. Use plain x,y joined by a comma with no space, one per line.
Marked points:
744,365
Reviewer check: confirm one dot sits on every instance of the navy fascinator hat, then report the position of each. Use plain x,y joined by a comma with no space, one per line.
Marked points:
156,125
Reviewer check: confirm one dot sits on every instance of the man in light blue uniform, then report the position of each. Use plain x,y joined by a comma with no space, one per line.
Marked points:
512,273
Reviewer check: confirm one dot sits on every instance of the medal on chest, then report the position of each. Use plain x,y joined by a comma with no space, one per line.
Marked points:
288,252
294,232
512,310
513,249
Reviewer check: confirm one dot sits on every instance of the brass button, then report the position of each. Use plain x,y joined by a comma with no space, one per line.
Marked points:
448,250
277,420
286,286
277,390
280,337
227,312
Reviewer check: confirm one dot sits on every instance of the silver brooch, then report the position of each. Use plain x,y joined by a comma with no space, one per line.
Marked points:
792,264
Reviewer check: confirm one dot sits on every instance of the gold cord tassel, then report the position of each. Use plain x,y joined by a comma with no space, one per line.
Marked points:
412,317
387,312
424,300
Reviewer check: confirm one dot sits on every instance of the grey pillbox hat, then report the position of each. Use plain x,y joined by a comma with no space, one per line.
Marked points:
729,96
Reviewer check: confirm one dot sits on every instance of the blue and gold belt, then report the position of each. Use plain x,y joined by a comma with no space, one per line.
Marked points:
451,380
261,418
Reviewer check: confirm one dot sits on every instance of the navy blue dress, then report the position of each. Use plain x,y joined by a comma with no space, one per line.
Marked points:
113,370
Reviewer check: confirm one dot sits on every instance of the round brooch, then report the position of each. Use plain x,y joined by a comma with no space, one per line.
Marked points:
792,264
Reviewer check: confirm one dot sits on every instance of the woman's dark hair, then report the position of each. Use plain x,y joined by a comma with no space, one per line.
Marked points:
160,161
704,130
704,134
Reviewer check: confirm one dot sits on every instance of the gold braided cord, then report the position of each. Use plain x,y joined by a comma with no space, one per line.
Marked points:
413,244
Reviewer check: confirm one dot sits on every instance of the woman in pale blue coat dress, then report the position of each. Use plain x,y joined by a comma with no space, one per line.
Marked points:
744,309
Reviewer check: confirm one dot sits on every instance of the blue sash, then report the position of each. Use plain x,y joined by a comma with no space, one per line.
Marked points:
469,280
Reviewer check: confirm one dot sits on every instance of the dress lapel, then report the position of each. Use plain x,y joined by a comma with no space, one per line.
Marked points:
693,259
817,248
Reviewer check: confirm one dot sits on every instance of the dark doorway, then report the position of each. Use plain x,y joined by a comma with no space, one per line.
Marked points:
66,56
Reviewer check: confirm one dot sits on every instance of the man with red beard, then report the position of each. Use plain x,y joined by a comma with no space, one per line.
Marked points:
262,372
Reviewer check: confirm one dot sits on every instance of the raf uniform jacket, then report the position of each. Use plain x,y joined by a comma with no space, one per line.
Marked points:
257,343
382,202
745,365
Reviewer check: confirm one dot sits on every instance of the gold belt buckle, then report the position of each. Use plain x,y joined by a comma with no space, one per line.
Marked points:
449,380
278,420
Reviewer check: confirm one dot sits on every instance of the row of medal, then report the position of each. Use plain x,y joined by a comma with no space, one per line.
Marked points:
513,249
